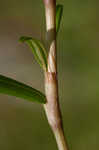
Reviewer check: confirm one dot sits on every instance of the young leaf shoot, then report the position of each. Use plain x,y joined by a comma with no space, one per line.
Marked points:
38,50
59,13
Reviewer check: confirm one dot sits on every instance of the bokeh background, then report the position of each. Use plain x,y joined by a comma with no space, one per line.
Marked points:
23,125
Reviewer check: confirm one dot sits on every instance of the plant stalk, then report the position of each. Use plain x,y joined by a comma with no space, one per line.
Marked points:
52,107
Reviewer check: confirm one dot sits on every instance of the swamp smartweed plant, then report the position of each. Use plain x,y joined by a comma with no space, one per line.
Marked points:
46,56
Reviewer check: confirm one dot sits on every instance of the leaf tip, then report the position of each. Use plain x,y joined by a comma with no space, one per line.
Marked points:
22,39
59,13
59,6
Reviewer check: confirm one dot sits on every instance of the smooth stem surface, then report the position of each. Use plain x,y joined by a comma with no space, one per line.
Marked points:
52,108
60,139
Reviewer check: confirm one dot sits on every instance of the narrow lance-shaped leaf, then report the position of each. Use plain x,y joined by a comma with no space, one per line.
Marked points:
14,88
38,50
59,13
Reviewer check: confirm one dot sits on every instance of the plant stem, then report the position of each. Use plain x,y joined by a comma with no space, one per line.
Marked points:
52,107
60,139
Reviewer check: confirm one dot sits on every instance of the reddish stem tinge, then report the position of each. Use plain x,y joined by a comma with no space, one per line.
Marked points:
52,108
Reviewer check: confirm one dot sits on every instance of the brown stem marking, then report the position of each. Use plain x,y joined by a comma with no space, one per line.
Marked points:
52,108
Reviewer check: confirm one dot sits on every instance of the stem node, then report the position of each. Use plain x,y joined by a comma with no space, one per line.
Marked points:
52,108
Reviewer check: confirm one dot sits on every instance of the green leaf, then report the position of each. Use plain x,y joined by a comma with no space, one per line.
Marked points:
59,13
38,50
14,88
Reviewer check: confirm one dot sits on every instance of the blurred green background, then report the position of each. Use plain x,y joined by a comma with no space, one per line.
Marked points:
23,125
